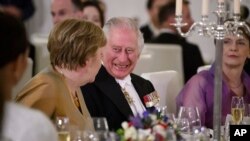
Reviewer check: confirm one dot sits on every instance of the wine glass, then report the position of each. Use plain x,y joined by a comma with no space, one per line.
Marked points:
182,121
171,117
100,123
62,126
85,135
192,115
237,109
162,110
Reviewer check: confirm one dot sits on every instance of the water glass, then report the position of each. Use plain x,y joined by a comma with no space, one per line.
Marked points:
200,134
183,125
84,136
171,117
100,123
192,115
62,126
162,110
107,136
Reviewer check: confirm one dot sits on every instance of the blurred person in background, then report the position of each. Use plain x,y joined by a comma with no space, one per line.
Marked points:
18,123
92,12
24,10
191,54
74,46
64,9
151,29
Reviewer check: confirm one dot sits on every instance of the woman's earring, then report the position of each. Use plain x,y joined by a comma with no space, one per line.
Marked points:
61,72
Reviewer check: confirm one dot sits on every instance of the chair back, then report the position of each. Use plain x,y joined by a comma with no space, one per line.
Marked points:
205,67
167,84
41,51
160,57
27,75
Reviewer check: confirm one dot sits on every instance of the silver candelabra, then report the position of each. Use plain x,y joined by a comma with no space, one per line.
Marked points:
218,31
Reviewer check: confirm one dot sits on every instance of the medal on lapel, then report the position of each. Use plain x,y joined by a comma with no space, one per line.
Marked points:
151,99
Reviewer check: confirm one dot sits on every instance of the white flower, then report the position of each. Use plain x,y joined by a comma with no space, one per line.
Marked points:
130,133
151,137
143,134
153,117
125,125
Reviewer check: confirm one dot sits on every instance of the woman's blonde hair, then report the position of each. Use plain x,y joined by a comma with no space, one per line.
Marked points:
72,42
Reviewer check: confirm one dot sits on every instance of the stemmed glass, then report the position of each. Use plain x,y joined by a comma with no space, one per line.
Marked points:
164,112
237,109
86,135
100,123
101,127
191,114
62,125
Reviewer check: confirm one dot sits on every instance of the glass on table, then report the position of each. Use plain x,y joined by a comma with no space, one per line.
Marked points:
164,112
107,136
171,117
162,109
183,125
192,115
100,124
200,134
237,109
84,136
62,126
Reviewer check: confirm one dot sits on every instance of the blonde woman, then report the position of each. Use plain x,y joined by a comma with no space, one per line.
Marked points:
74,48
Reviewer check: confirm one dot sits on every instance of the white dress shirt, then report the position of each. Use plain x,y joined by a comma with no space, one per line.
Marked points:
136,106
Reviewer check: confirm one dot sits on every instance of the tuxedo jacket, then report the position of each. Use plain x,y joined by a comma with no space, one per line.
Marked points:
147,33
49,93
191,55
104,97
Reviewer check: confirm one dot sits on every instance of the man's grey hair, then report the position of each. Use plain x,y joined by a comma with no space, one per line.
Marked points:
127,23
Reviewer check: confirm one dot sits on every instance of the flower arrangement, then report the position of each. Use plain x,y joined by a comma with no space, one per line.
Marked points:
152,125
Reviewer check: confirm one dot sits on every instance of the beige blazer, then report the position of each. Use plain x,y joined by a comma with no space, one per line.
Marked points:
48,92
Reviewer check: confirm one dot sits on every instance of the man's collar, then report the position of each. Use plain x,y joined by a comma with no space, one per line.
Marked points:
167,30
154,29
123,82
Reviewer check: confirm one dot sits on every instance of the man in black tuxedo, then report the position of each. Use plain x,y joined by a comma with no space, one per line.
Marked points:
151,29
116,93
192,58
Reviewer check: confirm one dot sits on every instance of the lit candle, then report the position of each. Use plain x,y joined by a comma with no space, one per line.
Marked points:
236,6
204,9
178,9
220,1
